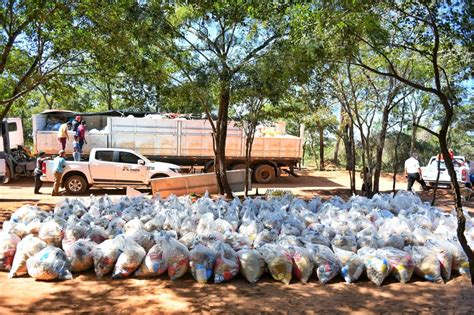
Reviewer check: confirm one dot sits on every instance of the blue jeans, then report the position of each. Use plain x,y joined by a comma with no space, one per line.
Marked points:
76,155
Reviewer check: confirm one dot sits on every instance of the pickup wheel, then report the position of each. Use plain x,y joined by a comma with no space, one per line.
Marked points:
75,185
264,174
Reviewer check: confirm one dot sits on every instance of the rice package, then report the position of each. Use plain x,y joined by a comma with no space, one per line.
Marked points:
105,255
279,262
52,233
51,263
427,265
227,262
302,263
26,248
154,263
8,244
351,266
325,262
402,263
377,267
130,258
252,264
201,263
177,257
80,255
445,257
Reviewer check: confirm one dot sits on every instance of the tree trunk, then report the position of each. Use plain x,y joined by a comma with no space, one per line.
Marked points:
347,147
414,129
379,150
321,146
437,181
397,143
221,137
352,155
109,97
457,191
336,151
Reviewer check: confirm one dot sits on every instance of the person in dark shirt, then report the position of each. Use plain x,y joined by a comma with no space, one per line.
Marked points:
81,133
38,171
76,123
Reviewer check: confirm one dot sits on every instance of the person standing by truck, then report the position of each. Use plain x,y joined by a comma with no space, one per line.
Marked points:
63,135
59,165
413,172
76,149
38,171
76,123
81,133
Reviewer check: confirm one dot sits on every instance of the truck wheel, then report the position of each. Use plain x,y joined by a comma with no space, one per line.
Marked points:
8,175
264,174
75,185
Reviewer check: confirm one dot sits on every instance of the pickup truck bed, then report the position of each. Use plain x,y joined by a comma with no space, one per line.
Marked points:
430,172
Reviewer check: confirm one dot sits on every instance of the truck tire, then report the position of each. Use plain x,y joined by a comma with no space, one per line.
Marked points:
75,184
264,173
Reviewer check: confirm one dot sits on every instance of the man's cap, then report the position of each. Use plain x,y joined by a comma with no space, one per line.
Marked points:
78,117
69,123
61,152
42,153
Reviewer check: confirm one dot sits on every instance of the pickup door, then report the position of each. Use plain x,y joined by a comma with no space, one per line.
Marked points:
102,167
127,168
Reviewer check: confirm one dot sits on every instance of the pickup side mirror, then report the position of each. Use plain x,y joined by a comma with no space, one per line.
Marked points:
141,162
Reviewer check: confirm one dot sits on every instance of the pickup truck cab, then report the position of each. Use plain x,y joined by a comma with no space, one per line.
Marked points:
430,172
108,167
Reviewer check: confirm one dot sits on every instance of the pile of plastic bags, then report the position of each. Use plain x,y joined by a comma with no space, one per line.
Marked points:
288,238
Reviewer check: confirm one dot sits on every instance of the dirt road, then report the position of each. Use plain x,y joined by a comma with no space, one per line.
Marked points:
85,293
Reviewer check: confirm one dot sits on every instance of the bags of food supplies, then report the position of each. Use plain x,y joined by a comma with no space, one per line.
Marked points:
105,255
17,228
51,263
97,234
351,266
52,233
377,267
402,263
80,255
8,244
154,263
142,237
177,257
302,263
344,242
252,264
226,266
279,262
201,263
427,265
26,248
72,234
445,257
130,258
325,262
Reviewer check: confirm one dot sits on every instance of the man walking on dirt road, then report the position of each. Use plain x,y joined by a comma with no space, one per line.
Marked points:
413,172
59,165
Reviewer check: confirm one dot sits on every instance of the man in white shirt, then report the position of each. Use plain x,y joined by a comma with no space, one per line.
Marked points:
413,172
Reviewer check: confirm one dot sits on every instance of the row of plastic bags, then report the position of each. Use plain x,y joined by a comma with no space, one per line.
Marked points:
215,240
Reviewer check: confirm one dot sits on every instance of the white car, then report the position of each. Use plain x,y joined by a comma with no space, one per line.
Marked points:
430,172
109,167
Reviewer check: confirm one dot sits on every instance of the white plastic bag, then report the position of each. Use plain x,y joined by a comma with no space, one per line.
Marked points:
176,256
154,263
377,267
52,233
105,255
351,266
252,264
80,255
279,262
325,262
51,263
227,262
201,263
302,263
8,244
402,263
427,265
130,258
26,248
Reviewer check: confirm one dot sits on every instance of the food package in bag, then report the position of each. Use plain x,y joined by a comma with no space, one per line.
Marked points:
142,237
177,257
51,263
17,228
97,234
351,266
460,260
80,255
8,244
445,257
252,264
201,263
26,248
72,234
377,267
427,265
105,255
302,263
154,263
279,262
402,263
325,262
52,233
344,242
227,262
130,258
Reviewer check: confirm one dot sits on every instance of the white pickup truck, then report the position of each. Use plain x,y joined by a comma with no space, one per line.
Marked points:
109,167
430,172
